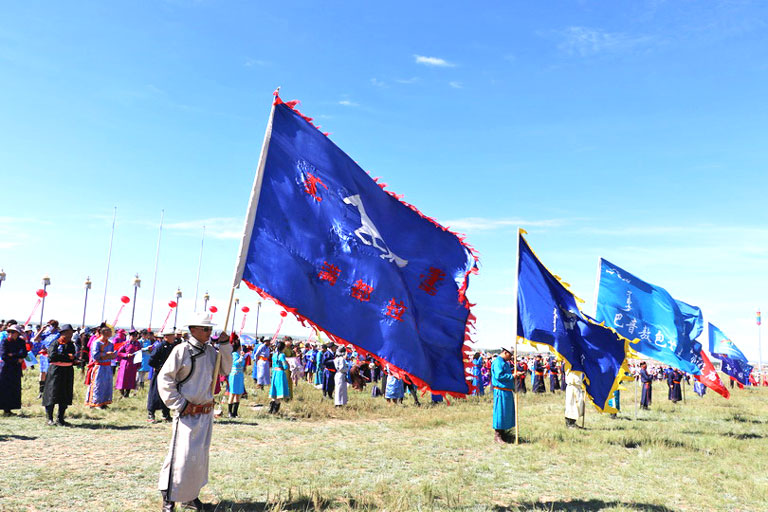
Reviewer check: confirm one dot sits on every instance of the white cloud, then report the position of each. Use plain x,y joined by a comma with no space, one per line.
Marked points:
585,41
408,81
378,83
433,61
227,228
348,103
468,224
456,85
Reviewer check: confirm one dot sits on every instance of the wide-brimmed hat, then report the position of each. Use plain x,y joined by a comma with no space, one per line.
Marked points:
15,328
66,327
201,320
168,331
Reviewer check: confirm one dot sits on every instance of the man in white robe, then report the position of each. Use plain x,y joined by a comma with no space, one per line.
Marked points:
185,386
574,399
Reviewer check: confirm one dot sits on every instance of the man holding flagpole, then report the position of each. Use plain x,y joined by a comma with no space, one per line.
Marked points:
184,384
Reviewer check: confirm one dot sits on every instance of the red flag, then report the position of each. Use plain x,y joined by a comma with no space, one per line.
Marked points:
710,378
752,380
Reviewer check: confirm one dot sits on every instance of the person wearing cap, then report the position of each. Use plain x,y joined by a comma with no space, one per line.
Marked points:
99,375
340,384
126,374
503,383
61,375
13,351
158,355
185,383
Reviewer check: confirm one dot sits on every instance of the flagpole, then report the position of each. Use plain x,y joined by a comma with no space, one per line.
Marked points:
759,351
157,261
250,218
199,266
109,260
514,330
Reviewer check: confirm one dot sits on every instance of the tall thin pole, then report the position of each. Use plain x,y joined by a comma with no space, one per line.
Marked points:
46,282
157,261
85,302
514,330
199,266
258,309
136,284
109,260
759,351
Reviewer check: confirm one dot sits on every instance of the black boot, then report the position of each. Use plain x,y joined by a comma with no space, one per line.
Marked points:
229,410
49,414
272,407
235,407
61,422
277,407
168,506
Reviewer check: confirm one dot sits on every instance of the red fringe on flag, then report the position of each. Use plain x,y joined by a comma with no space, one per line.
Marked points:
470,324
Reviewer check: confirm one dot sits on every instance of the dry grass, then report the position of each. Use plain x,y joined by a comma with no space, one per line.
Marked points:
707,454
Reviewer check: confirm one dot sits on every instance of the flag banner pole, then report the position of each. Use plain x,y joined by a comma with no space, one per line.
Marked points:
636,377
250,217
157,261
514,330
199,267
109,260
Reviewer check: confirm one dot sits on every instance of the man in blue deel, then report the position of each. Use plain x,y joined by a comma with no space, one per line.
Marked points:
503,382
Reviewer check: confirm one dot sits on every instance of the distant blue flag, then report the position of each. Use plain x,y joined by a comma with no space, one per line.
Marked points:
739,370
720,345
548,314
665,327
332,247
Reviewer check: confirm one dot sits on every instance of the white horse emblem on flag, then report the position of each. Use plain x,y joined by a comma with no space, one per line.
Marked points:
369,229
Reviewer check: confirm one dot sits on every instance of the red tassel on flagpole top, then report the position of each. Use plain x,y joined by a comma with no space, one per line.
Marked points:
125,300
245,310
171,305
40,295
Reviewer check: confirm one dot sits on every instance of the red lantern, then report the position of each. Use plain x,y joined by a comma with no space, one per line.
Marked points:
41,293
172,304
245,309
124,299
213,309
283,314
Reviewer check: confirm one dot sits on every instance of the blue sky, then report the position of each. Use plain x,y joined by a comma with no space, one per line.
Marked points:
633,131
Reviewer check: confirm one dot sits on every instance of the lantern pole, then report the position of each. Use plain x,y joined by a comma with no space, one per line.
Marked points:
136,286
46,282
178,300
85,302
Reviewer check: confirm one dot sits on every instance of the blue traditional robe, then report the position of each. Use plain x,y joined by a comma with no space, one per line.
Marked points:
279,387
319,368
477,376
673,381
503,382
261,364
538,377
395,389
237,374
329,374
100,388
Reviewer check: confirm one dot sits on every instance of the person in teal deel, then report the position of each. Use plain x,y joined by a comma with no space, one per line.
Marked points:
503,382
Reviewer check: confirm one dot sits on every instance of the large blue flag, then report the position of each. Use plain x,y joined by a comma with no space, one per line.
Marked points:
549,315
333,247
664,328
739,370
720,345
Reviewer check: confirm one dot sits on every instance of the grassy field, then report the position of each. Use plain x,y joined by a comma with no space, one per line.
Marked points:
707,454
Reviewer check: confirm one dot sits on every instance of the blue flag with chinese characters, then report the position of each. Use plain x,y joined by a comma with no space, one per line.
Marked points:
664,327
548,314
739,370
720,345
333,247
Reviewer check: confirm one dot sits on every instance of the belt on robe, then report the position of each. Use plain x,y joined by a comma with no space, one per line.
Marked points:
503,389
540,374
277,368
103,364
62,364
262,358
675,382
196,409
332,371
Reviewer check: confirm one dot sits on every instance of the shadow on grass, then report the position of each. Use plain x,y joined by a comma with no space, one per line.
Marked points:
583,506
260,506
748,435
236,422
743,419
105,426
8,437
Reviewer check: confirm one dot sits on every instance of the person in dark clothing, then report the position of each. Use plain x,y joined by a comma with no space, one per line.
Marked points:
60,381
13,350
554,379
674,377
646,381
522,370
159,354
329,372
538,376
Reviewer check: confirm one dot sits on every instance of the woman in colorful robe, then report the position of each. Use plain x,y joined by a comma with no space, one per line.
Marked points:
279,389
236,380
99,376
319,368
503,382
126,374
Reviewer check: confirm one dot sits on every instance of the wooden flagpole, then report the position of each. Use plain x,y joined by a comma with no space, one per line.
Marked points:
514,330
245,241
